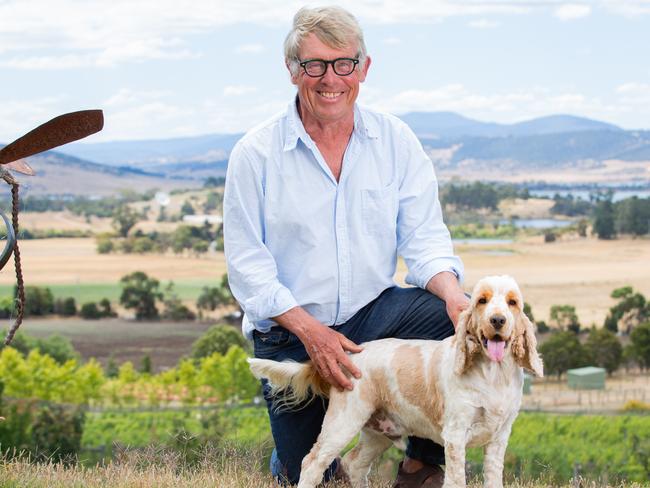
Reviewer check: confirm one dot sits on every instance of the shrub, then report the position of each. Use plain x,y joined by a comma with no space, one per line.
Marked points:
38,301
90,311
105,245
65,306
218,338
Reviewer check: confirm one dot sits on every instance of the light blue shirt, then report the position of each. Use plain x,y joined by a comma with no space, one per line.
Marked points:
295,236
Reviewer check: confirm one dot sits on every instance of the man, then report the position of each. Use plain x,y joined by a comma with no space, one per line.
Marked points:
319,202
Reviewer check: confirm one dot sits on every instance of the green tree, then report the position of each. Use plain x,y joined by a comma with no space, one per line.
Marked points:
65,306
174,307
218,338
640,341
140,292
604,349
604,226
565,318
562,351
124,218
212,201
89,311
187,208
111,368
145,365
38,301
631,310
105,308
632,216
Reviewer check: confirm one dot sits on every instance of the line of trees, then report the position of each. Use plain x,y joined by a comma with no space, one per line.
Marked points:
564,350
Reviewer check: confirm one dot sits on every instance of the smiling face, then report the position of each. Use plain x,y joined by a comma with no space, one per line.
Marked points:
329,98
496,305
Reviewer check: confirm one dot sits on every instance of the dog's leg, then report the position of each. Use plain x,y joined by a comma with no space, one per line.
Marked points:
343,420
356,463
455,463
495,451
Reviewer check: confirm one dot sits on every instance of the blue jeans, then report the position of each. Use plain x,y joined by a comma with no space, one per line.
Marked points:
405,313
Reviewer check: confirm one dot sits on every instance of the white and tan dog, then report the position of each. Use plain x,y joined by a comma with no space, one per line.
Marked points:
462,391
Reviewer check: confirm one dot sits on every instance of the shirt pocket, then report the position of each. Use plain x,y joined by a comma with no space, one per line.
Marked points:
379,210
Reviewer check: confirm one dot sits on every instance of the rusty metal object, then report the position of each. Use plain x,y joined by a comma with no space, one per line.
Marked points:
56,132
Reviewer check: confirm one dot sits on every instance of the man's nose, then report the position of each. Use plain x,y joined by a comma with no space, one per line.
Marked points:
329,75
497,321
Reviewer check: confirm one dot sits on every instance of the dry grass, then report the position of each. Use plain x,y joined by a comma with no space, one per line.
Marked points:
75,261
221,468
609,171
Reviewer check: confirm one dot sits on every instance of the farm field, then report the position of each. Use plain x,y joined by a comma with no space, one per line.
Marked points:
580,272
124,340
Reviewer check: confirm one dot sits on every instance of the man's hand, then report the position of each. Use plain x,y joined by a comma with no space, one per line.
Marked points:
326,347
445,285
455,305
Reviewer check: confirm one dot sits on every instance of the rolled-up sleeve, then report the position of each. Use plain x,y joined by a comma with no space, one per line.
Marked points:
422,237
252,270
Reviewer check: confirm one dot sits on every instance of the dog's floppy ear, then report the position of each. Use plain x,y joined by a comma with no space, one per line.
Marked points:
466,342
524,346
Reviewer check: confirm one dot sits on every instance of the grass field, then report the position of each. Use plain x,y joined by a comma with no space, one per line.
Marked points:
93,292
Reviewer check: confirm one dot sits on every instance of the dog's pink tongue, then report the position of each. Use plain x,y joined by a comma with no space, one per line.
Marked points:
496,350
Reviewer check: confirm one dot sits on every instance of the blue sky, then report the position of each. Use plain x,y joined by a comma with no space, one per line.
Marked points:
172,68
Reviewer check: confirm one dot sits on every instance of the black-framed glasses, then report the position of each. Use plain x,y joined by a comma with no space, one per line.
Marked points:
318,67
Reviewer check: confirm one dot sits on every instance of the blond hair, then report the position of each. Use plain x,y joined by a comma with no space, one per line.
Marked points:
334,26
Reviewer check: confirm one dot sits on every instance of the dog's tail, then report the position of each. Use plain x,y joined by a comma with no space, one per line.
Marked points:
291,383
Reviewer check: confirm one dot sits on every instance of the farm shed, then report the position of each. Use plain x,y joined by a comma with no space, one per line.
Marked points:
588,378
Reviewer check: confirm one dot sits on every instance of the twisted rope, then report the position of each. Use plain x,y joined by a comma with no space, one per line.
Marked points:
20,299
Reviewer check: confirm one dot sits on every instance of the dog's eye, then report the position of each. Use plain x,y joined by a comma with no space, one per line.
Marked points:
482,300
512,303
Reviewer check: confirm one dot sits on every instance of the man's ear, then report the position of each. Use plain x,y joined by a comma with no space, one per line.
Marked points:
363,72
292,76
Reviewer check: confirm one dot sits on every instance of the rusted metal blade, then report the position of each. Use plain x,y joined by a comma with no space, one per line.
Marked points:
21,166
58,131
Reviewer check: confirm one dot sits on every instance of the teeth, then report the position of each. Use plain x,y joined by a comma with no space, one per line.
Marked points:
330,94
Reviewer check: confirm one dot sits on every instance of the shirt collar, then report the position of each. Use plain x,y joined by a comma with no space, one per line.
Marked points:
364,126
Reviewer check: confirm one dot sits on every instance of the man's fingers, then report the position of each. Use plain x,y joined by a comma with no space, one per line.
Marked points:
339,379
348,345
350,366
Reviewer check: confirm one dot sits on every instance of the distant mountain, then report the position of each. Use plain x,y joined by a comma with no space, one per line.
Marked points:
454,142
549,149
449,124
200,149
60,174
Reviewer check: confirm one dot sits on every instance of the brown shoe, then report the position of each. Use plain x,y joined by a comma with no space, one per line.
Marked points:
425,477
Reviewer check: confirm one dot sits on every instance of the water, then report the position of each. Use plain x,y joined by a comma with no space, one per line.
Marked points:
538,223
584,194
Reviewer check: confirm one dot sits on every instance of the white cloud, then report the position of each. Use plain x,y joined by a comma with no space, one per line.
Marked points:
251,48
238,90
483,24
516,106
18,117
392,41
572,11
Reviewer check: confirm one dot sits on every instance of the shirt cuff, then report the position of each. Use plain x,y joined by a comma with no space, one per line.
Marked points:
271,304
423,275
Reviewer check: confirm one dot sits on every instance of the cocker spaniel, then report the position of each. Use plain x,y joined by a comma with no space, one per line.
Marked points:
462,391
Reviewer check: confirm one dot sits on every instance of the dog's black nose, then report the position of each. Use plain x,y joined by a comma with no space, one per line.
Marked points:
497,321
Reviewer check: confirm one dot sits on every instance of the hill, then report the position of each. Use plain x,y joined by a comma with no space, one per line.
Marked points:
58,173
